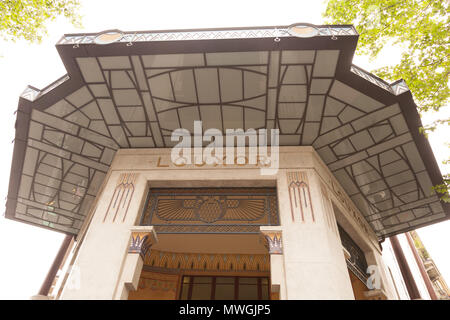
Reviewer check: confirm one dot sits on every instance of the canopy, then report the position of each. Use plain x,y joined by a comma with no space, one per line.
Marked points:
131,89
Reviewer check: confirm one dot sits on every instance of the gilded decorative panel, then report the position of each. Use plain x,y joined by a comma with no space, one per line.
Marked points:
211,210
156,286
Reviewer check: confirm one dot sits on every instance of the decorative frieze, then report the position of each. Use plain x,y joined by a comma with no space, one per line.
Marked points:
300,197
208,261
340,194
158,282
211,210
328,209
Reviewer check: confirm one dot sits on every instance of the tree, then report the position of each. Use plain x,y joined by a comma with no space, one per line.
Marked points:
421,29
26,19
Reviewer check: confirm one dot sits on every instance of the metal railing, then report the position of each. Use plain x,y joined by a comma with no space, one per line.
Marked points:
31,93
207,34
396,88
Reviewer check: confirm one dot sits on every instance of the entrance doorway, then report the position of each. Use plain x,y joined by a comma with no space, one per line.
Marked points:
209,243
224,288
160,284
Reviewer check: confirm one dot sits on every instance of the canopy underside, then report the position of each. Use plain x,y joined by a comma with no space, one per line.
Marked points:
118,96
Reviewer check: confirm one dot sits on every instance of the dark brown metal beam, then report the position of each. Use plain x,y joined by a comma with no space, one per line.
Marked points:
423,272
405,270
45,288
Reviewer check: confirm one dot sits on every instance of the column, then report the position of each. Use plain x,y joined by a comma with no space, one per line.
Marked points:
314,261
421,267
103,251
410,283
56,265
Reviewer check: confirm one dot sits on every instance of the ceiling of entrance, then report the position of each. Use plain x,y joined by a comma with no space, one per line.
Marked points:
133,92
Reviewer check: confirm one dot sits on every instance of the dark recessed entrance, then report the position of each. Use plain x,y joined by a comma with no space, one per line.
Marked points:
224,288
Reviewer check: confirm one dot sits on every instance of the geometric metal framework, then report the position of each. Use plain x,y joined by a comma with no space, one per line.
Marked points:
211,210
204,34
357,262
133,93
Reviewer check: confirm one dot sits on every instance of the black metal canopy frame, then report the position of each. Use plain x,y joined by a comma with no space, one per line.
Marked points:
131,89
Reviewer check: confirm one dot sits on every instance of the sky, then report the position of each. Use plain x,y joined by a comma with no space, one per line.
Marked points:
27,252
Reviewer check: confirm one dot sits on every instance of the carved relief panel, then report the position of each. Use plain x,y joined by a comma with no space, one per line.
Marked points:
121,198
212,210
300,197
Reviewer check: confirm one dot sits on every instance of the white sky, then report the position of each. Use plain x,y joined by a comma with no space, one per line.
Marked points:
26,252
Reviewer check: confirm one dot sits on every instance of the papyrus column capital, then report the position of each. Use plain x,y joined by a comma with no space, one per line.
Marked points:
142,238
273,237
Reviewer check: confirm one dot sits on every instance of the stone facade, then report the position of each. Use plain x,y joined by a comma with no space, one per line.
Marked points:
307,260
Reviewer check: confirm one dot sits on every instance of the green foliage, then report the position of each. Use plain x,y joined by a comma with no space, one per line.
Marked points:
420,28
425,254
419,245
25,19
444,189
432,127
